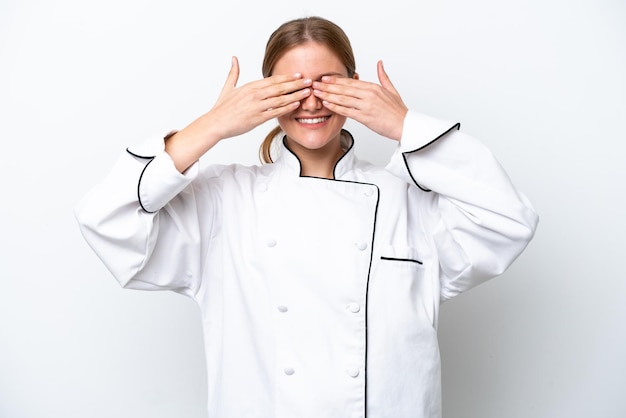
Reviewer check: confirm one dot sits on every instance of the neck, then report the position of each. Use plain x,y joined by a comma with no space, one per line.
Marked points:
319,167
317,162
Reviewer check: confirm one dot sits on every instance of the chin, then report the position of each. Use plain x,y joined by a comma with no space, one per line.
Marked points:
313,140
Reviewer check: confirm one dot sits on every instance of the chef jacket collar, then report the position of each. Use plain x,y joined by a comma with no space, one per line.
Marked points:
290,161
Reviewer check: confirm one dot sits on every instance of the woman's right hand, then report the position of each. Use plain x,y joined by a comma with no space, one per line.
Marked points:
237,111
240,109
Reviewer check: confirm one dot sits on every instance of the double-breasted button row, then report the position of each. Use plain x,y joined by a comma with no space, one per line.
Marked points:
351,371
361,246
351,307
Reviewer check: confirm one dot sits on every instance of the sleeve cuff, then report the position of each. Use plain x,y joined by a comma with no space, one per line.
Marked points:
420,130
159,181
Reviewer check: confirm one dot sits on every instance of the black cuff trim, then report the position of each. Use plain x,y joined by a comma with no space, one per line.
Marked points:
139,182
145,157
456,126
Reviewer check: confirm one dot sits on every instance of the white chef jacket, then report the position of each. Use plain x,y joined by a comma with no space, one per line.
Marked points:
319,297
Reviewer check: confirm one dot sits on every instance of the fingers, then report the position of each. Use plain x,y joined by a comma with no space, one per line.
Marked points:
233,76
353,86
272,92
382,75
345,92
274,112
385,82
377,106
286,85
340,85
286,102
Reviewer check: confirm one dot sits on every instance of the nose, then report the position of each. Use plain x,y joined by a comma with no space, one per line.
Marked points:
311,103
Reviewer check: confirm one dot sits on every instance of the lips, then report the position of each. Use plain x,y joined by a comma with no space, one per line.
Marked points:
313,121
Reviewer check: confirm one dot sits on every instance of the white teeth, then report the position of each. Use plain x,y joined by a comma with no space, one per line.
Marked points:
312,121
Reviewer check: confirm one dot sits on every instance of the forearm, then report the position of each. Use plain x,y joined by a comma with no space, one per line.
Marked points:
186,146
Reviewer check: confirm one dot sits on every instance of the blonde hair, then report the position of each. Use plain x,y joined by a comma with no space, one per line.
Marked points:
297,32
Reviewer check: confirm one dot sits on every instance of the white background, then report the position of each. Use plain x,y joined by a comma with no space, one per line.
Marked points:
542,82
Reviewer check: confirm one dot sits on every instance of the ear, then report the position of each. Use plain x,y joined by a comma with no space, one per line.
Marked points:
355,76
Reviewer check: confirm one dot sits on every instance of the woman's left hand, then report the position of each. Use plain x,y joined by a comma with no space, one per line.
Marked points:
377,106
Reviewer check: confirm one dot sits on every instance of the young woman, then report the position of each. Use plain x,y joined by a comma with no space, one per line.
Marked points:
319,276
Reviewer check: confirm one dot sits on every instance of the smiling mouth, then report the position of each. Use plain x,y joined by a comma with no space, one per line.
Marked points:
313,121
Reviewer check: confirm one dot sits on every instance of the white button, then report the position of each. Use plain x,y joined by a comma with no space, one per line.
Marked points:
354,307
352,372
289,371
368,192
271,242
362,246
261,187
189,273
282,308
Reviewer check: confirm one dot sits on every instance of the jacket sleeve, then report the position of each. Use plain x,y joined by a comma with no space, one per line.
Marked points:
142,222
480,223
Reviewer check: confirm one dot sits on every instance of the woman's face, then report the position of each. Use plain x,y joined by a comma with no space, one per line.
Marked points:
311,126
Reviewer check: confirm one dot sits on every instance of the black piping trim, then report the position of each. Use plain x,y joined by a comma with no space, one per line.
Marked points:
345,153
140,156
140,177
293,153
336,164
401,259
367,285
456,126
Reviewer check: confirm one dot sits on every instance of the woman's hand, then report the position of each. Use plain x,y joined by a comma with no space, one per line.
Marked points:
241,109
377,106
237,111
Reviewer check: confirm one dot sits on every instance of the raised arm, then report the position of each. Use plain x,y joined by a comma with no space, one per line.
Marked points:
237,111
143,219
